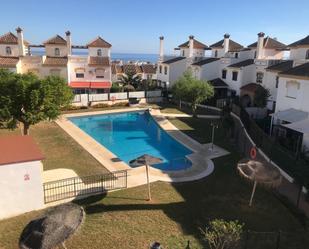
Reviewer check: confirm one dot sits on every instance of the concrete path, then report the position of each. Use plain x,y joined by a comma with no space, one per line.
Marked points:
184,115
202,165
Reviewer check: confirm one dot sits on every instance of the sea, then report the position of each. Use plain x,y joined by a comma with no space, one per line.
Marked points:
125,57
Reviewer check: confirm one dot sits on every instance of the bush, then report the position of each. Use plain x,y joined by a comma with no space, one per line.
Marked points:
129,88
115,88
71,108
222,234
120,104
101,105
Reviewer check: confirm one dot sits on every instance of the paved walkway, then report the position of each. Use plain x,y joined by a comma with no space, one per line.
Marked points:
184,115
201,157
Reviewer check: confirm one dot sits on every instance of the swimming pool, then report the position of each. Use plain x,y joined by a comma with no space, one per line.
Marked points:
132,134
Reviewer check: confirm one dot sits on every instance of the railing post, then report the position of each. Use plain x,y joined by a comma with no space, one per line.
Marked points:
278,239
74,187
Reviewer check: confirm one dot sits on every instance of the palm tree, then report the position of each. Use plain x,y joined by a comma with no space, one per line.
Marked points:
131,79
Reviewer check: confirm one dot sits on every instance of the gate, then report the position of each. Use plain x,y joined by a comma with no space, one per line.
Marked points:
84,186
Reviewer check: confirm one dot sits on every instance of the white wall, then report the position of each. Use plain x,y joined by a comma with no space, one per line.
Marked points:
211,70
14,49
298,53
196,52
301,102
92,51
247,54
269,82
50,50
79,62
176,70
21,188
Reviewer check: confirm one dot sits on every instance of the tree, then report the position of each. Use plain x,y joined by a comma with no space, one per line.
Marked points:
261,96
28,100
222,234
131,79
192,90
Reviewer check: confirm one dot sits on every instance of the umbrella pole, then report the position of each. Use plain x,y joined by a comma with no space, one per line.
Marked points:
148,184
253,191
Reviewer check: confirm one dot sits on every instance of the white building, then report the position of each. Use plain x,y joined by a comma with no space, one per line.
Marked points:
83,73
171,68
292,102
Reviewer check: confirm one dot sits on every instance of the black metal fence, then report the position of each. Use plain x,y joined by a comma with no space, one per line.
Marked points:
273,240
287,160
84,186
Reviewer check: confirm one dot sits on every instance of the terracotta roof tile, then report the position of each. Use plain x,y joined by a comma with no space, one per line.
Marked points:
55,61
269,43
149,68
99,61
196,45
251,87
10,38
18,149
8,61
172,60
131,68
301,42
301,70
242,63
218,83
116,69
205,61
282,66
99,43
233,46
56,40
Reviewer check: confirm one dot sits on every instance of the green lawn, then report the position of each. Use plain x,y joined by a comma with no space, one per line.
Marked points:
60,150
123,219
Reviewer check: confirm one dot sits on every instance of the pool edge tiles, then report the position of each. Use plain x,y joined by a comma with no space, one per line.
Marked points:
137,132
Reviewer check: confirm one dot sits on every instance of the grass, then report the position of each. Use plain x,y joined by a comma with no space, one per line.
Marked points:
60,150
123,219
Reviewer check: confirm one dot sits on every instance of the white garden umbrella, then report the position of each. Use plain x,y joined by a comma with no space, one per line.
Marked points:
146,160
259,173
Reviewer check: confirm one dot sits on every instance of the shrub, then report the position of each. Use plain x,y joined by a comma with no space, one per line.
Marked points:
222,234
129,88
101,105
115,88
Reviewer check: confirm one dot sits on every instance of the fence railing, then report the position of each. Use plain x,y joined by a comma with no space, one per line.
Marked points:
84,186
116,96
285,159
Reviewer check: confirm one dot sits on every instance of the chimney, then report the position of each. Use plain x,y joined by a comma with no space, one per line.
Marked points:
260,46
20,38
226,43
69,42
161,52
191,37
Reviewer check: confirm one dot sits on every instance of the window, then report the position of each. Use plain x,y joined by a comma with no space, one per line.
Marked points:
234,76
55,72
165,70
57,51
277,81
8,50
79,75
236,55
183,53
99,72
307,55
292,88
254,54
99,52
160,69
259,77
224,74
216,53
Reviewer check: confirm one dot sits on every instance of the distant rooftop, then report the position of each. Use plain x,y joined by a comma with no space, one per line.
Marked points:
18,149
243,63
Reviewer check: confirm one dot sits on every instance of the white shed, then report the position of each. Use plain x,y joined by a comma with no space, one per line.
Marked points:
21,188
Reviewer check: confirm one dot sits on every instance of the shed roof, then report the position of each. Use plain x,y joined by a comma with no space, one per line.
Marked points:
18,149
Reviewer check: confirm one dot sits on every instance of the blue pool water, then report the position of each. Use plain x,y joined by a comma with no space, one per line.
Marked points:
132,134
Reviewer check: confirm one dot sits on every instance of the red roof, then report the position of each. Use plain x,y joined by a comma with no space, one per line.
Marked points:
18,149
91,84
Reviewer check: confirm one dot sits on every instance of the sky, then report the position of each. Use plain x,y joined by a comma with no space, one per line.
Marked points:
134,26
